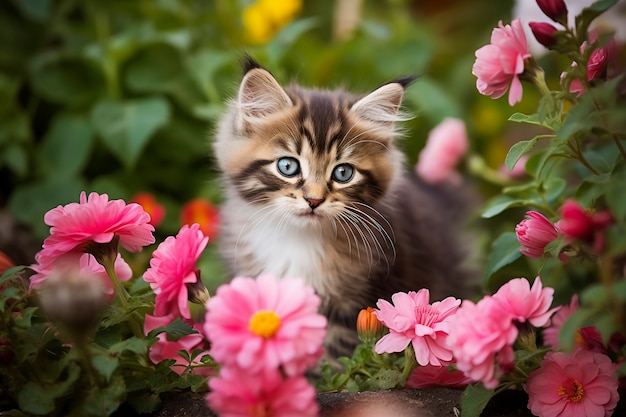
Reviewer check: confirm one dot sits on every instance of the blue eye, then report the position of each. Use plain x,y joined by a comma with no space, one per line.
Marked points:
343,173
288,166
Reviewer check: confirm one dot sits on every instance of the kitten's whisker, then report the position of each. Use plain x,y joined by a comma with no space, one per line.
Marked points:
389,240
348,239
379,249
354,220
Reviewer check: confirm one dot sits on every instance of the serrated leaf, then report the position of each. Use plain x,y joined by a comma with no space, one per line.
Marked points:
517,150
474,400
127,126
504,250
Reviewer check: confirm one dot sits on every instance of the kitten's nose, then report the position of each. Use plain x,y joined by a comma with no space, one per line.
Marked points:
314,202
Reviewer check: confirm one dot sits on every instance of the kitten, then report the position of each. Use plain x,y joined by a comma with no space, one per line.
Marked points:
315,187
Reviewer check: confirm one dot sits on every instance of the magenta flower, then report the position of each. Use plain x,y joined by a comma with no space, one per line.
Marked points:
236,393
499,64
167,349
265,323
544,32
173,268
437,376
534,233
481,338
579,384
579,224
88,266
524,303
554,9
411,319
551,333
447,143
94,219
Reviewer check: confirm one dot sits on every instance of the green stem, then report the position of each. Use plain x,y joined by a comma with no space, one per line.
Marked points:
410,363
82,347
581,157
618,142
122,295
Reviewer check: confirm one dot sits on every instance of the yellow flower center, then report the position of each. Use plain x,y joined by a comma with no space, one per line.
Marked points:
264,323
571,391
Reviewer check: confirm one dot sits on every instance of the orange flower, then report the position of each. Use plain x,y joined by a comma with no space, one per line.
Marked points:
150,206
5,262
369,328
204,213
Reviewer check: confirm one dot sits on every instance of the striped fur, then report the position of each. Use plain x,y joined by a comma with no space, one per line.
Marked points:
356,241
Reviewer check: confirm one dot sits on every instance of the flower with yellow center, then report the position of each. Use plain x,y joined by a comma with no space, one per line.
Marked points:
264,323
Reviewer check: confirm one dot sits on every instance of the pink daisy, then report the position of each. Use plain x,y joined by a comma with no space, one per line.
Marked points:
236,393
524,303
94,219
579,384
173,268
481,338
167,349
412,319
88,267
265,323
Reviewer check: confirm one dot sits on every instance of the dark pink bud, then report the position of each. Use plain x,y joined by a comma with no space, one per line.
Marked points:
579,224
554,9
544,33
534,233
599,59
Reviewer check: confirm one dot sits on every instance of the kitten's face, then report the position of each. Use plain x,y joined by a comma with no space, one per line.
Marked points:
309,156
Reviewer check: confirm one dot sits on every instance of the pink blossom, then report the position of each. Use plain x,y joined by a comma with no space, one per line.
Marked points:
499,64
534,233
551,333
544,32
173,268
578,384
554,9
437,376
447,143
411,319
88,266
524,303
94,219
265,323
236,393
579,224
165,349
481,338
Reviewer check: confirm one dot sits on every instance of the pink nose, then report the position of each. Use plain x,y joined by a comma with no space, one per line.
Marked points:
314,202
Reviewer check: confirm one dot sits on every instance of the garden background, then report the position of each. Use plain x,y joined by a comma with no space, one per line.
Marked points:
121,97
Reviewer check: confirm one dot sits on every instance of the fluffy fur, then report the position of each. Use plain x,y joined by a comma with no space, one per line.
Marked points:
315,187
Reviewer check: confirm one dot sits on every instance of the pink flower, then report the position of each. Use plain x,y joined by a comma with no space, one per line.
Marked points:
88,266
94,220
447,143
579,384
544,32
554,9
265,323
524,303
173,269
579,224
411,319
534,233
499,63
551,333
236,393
165,349
437,376
481,337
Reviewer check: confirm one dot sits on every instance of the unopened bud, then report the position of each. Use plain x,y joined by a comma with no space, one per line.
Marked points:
554,9
368,327
544,33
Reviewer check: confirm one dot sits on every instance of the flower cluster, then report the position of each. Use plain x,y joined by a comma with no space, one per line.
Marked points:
265,333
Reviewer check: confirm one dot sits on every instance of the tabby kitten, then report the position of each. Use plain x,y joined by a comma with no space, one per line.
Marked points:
315,187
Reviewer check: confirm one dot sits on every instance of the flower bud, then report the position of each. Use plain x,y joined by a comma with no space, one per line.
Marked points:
554,9
534,233
544,33
369,328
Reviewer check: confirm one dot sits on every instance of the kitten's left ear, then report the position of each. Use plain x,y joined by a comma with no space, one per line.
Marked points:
383,104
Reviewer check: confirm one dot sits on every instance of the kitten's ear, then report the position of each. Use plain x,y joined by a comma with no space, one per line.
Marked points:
260,94
383,104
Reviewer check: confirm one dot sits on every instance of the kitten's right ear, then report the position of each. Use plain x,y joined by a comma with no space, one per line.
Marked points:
259,93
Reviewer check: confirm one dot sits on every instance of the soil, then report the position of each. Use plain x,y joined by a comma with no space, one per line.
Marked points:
431,402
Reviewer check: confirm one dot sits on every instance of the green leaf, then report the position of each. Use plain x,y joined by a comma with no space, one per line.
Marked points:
500,203
474,400
517,150
433,100
127,126
175,330
133,344
65,149
615,195
286,37
105,365
154,68
103,401
12,273
504,250
588,14
73,82
40,399
532,119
